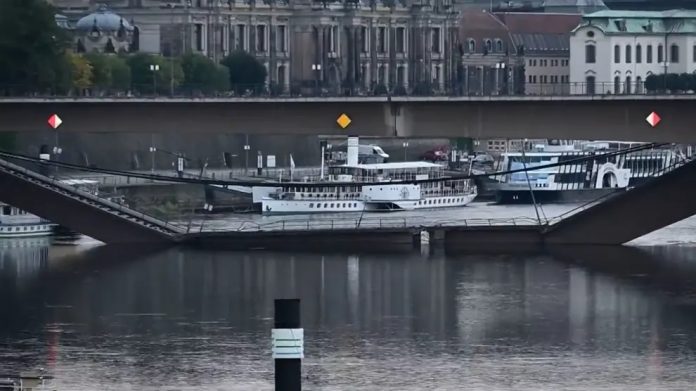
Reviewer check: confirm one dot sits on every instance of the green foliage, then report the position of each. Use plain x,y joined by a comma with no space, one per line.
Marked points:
400,90
423,88
109,72
32,48
671,82
202,74
142,77
81,71
246,72
380,89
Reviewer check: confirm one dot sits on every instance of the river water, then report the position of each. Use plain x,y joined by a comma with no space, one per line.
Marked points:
126,318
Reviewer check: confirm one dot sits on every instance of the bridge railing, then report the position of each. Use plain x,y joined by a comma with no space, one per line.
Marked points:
357,223
549,87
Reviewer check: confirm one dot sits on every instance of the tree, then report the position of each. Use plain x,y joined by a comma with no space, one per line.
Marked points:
109,72
202,74
81,72
246,72
32,47
142,76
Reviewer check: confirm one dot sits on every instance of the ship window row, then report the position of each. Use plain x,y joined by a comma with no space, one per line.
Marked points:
334,205
441,201
10,211
19,229
303,189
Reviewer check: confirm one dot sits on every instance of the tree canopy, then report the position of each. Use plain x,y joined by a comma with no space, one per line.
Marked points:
246,72
32,48
203,75
109,72
142,76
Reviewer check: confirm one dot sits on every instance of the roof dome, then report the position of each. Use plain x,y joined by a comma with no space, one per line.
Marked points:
104,20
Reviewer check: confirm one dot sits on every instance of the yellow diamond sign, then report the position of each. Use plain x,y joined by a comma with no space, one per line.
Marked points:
343,121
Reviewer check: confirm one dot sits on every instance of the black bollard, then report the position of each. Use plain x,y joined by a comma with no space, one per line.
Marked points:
288,341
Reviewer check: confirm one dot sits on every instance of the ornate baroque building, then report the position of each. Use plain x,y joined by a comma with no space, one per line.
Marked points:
347,47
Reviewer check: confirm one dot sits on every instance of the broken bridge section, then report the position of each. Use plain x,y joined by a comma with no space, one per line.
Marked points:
79,210
660,202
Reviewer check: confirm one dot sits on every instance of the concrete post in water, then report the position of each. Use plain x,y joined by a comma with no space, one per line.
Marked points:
288,345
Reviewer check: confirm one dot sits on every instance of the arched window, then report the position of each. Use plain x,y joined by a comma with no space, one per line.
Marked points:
674,53
628,53
639,54
472,46
617,54
489,46
660,54
590,54
649,54
617,85
639,85
498,46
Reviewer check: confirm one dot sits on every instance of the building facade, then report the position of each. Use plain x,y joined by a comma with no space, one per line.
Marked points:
351,47
516,52
613,52
544,42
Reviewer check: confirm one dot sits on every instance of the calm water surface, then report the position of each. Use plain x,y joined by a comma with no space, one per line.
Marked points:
121,318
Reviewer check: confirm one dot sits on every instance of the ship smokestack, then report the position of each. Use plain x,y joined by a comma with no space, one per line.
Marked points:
353,150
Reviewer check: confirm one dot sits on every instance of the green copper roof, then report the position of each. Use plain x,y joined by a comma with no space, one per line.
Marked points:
642,22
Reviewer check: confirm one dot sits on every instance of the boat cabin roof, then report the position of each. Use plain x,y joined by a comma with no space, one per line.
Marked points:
393,166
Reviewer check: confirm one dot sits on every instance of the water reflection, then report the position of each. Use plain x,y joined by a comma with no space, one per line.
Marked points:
190,318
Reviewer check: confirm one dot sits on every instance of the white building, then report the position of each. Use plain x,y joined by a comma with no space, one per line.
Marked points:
612,52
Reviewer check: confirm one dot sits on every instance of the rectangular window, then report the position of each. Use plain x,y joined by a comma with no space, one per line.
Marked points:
694,53
660,54
199,37
261,38
382,40
648,54
530,63
364,48
333,39
281,38
674,53
240,37
435,39
400,40
590,54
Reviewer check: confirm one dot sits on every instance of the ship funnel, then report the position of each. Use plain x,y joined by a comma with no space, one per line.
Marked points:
353,150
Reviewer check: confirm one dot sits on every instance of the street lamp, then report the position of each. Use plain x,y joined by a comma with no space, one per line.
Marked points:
405,145
247,147
498,67
152,154
317,70
154,68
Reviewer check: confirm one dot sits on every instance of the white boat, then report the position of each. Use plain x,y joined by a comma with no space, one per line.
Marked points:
346,188
15,222
583,181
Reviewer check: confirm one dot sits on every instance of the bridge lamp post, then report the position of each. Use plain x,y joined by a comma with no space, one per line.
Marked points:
154,68
498,67
247,147
405,145
152,154
317,72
